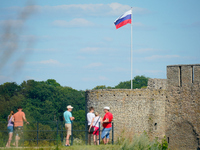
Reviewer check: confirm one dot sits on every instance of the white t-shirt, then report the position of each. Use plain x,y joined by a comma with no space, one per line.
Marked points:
90,116
96,121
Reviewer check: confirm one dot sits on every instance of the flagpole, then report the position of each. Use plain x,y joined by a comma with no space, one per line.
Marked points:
131,48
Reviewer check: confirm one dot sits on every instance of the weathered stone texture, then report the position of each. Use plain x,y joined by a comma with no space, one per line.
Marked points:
173,75
138,110
196,74
166,107
157,84
183,109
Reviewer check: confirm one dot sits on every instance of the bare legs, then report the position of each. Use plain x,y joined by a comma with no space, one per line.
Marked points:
105,141
96,139
67,140
17,138
89,138
9,139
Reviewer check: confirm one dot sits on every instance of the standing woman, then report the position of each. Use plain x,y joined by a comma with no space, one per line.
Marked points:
95,123
10,128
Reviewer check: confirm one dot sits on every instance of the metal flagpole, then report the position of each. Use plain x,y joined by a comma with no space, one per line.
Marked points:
131,48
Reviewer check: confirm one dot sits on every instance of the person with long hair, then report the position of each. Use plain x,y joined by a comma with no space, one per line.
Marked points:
95,123
10,128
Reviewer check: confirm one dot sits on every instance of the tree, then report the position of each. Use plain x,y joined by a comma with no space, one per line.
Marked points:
138,82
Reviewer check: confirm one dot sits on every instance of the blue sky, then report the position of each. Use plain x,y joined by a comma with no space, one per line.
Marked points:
76,43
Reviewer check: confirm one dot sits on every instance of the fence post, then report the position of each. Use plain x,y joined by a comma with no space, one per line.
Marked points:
86,133
57,128
112,133
99,132
37,132
72,133
57,134
23,136
62,134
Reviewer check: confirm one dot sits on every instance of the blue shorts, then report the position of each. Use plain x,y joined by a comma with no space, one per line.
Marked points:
105,133
10,129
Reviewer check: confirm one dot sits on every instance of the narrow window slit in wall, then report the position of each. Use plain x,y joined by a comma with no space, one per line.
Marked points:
192,74
180,78
167,139
155,126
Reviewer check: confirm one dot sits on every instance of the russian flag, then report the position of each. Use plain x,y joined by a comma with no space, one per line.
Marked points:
123,19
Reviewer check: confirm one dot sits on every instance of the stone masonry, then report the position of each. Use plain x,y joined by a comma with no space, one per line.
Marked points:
167,107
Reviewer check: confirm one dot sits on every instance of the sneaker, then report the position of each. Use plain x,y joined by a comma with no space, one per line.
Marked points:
67,145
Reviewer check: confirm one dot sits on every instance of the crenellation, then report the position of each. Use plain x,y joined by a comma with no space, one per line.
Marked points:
167,107
196,74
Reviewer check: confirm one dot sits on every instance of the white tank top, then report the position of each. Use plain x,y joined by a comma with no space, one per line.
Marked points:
96,121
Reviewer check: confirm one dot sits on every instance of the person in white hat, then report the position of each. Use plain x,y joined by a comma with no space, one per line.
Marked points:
67,116
107,119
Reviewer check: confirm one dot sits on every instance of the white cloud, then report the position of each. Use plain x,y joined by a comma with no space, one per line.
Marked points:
92,65
107,39
144,50
77,22
50,62
112,9
89,49
156,57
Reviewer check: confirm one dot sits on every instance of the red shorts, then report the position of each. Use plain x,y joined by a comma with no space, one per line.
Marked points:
96,131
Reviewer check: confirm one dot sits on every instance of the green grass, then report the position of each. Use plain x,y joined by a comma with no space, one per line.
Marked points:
133,142
75,147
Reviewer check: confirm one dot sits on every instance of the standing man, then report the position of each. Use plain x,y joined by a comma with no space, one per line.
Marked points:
90,116
107,119
18,119
67,116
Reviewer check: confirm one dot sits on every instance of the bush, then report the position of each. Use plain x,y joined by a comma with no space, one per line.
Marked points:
143,142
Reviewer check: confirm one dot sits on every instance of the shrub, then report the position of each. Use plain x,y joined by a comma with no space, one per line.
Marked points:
143,142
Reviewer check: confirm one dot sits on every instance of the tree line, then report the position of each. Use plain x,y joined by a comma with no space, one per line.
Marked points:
47,100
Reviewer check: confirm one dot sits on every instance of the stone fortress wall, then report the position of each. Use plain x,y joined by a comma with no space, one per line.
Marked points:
167,107
182,107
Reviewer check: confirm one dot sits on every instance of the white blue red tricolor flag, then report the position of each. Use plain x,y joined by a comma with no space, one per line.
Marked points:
123,19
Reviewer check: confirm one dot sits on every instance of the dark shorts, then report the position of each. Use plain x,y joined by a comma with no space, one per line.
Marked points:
88,129
10,129
19,131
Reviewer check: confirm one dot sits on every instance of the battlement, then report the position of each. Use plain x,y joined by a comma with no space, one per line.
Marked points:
181,75
167,107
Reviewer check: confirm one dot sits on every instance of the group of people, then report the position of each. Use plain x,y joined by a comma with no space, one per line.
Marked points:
94,122
15,124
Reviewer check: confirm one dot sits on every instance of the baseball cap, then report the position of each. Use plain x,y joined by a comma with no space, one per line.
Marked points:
69,106
108,108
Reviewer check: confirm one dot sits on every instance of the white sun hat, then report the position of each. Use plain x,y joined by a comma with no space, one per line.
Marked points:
69,106
108,108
